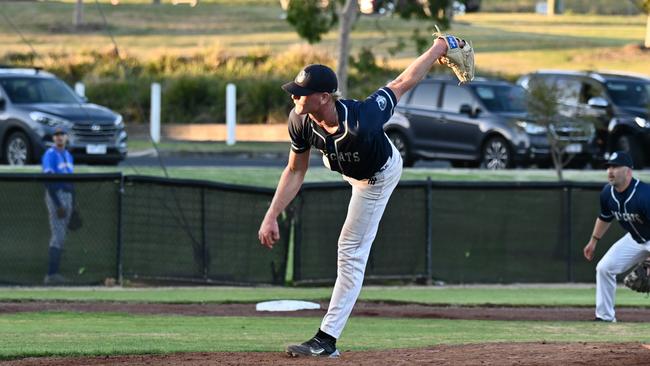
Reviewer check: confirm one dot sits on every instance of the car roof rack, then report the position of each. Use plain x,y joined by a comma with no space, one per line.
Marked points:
21,70
601,74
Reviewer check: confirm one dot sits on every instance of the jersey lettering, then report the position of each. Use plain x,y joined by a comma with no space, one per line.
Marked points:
628,217
349,157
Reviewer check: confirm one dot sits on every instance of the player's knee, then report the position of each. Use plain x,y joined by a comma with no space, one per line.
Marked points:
603,267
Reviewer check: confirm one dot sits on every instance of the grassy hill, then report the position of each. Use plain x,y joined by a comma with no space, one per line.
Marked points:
506,43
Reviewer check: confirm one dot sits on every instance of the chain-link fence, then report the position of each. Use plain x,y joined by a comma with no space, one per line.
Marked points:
155,229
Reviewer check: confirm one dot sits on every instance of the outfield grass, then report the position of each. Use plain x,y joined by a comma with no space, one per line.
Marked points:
66,334
582,295
527,41
269,177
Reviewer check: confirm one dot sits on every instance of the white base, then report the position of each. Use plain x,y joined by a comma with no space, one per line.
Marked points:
286,305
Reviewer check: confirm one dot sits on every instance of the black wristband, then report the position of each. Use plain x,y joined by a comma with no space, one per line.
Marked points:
595,237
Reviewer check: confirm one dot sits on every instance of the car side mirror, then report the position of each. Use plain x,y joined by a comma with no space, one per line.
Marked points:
467,109
598,102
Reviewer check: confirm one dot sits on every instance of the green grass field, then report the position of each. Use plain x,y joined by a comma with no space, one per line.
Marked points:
527,41
68,333
269,177
506,44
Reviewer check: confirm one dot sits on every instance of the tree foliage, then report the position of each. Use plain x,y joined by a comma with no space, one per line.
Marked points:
311,19
543,107
644,5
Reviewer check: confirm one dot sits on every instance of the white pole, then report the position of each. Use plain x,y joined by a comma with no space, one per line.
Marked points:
155,112
231,113
80,89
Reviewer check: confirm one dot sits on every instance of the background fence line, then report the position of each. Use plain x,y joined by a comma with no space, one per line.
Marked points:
139,228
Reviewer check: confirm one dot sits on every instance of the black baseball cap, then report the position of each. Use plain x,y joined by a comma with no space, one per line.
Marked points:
59,131
620,158
315,78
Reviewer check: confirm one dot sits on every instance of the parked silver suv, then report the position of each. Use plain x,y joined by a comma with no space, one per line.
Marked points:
34,102
483,123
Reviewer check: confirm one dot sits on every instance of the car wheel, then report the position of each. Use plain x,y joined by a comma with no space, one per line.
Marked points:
496,154
402,145
17,149
630,145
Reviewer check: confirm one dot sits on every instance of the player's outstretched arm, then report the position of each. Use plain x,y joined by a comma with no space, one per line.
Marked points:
418,69
290,182
600,228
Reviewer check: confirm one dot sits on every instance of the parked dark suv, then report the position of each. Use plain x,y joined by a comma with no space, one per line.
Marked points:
483,123
33,103
616,103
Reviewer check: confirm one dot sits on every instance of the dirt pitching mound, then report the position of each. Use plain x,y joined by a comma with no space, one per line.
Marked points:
362,308
501,354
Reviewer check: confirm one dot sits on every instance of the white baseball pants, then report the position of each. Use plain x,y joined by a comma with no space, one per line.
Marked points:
623,255
369,199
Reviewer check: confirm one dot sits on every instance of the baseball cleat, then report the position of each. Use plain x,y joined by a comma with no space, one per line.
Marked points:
597,319
315,347
54,279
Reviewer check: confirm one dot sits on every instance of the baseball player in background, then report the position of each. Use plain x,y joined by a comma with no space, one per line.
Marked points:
627,200
350,135
59,199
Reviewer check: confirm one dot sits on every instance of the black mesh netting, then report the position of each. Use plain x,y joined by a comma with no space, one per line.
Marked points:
89,253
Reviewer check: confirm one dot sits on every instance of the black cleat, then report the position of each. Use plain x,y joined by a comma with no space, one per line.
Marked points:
597,319
316,347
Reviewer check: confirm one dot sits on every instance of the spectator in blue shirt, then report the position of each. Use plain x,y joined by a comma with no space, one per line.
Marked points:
59,198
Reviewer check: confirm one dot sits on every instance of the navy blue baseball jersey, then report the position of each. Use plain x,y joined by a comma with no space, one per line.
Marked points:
631,208
359,148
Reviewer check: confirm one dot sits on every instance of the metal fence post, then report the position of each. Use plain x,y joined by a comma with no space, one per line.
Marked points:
429,228
566,208
204,236
297,238
119,270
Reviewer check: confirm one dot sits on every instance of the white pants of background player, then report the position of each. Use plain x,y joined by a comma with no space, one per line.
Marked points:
623,255
369,199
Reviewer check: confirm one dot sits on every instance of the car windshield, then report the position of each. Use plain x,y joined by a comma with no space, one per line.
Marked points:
502,98
629,93
37,90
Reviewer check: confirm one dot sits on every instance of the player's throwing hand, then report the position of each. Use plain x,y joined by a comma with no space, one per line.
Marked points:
269,232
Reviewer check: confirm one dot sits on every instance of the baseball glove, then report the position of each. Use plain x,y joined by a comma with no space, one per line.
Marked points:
459,59
75,222
639,279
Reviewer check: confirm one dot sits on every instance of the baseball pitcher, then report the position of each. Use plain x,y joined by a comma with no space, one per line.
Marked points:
350,136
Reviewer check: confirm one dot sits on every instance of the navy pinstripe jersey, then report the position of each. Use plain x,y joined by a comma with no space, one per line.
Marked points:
631,208
359,148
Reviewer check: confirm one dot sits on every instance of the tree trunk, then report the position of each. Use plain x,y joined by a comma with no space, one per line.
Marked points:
77,20
647,32
348,17
556,155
